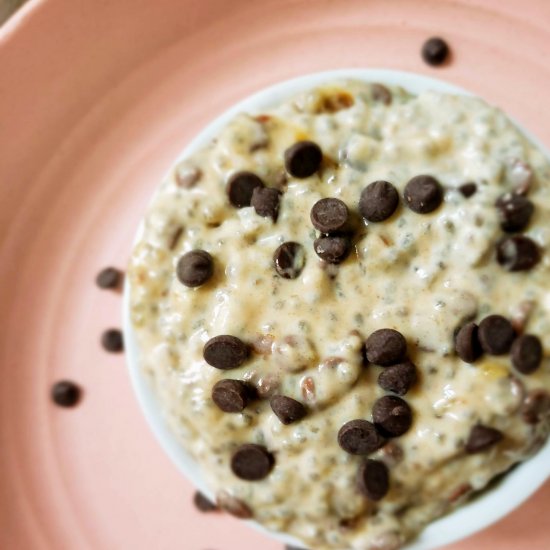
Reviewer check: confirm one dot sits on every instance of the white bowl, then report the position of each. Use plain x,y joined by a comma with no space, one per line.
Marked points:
486,509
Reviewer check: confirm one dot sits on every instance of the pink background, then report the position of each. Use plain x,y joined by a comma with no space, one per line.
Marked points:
97,97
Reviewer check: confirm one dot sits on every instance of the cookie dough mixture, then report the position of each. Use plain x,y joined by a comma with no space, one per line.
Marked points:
342,303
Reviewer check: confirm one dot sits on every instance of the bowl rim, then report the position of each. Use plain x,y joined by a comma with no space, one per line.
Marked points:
516,487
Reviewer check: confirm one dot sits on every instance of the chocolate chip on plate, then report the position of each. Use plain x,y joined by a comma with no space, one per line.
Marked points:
398,378
109,277
514,212
359,437
65,393
303,159
289,260
496,335
535,406
526,353
333,250
225,352
435,51
392,416
203,503
467,344
423,194
288,410
195,268
231,395
378,201
252,462
329,215
112,340
468,189
240,187
265,201
385,347
482,438
373,479
518,253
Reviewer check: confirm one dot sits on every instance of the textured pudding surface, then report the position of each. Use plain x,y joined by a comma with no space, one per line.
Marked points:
445,256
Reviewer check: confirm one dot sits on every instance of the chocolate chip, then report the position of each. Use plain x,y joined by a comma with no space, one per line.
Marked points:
109,277
225,352
65,393
467,344
496,335
535,407
514,212
518,253
231,396
112,340
385,347
195,268
378,201
265,201
482,438
423,194
240,188
288,410
203,504
392,416
526,353
373,479
435,51
399,378
303,159
289,260
380,93
468,189
332,250
359,437
329,215
252,462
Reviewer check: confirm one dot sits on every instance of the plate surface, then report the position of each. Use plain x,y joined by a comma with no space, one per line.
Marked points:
96,100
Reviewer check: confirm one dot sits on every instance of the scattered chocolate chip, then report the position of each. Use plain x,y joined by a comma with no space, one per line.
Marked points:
195,268
112,340
289,260
329,215
203,504
240,188
514,212
535,406
110,277
435,51
303,159
468,189
398,378
380,93
518,253
332,250
482,438
378,201
231,396
496,335
65,393
225,352
359,437
188,177
423,194
288,410
467,344
526,353
392,416
252,462
385,347
233,506
265,201
373,479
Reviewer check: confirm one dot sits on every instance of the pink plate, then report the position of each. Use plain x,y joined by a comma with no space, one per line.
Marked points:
97,97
